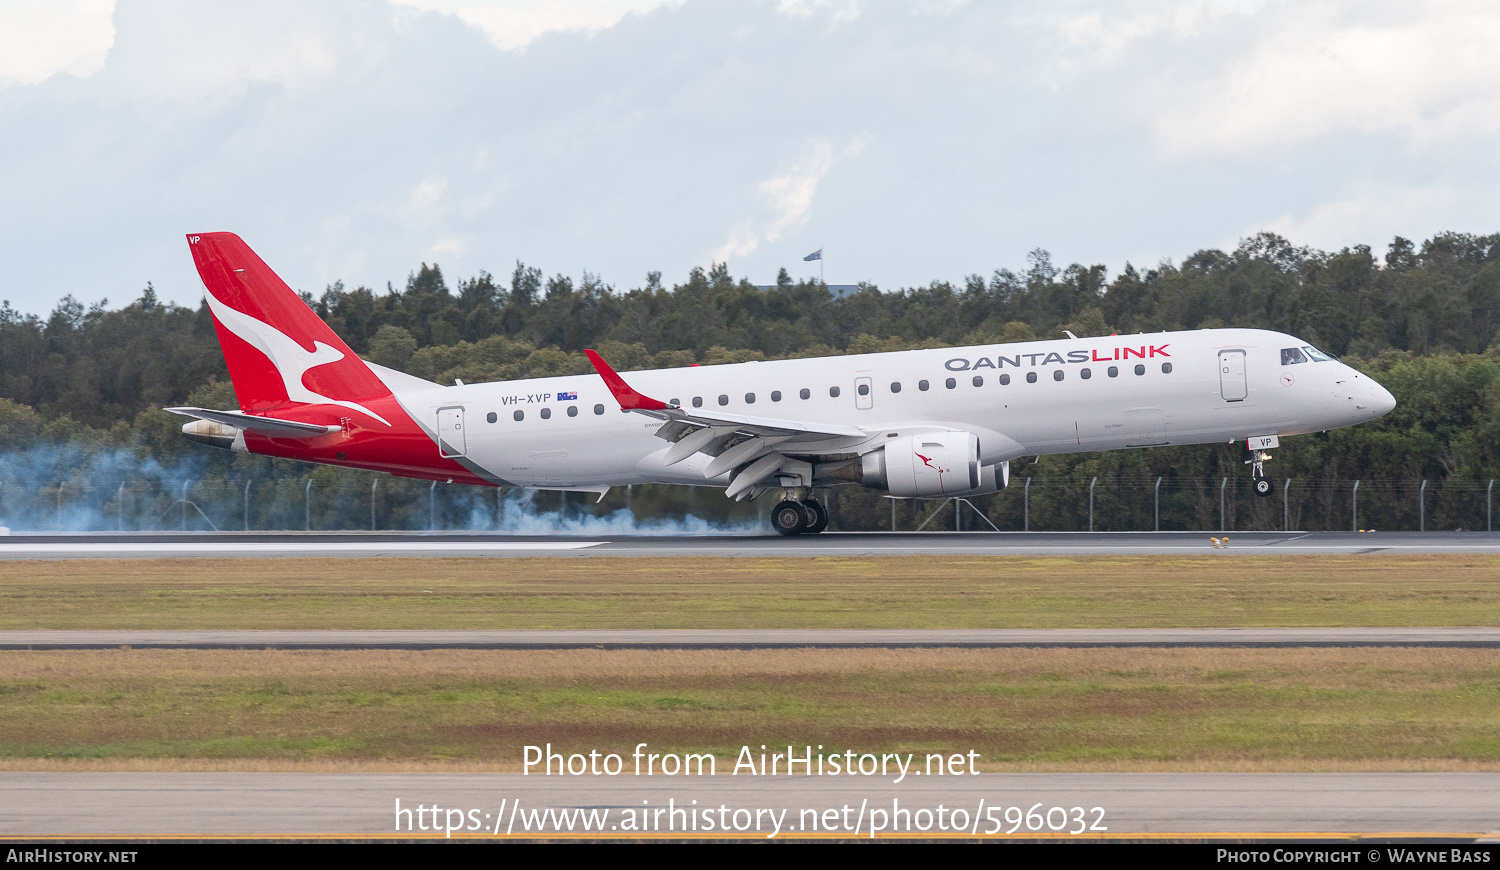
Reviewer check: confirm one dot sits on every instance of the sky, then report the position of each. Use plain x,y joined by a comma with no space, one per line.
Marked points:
911,141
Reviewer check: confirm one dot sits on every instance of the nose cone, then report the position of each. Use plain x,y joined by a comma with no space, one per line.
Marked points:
1380,401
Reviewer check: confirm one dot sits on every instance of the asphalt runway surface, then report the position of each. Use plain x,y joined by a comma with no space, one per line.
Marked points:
1463,806
452,544
1479,637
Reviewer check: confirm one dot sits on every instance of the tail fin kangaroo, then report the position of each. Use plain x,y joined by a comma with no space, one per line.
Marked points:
279,352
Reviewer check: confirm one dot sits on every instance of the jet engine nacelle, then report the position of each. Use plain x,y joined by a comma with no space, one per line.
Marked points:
992,478
924,465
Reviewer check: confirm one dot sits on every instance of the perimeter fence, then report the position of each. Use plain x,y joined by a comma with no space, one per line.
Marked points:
1218,504
373,502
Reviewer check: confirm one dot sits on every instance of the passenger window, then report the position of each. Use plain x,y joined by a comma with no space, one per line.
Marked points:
1057,375
1166,368
834,392
572,410
546,413
1005,380
922,385
775,395
491,417
806,393
950,383
749,398
697,401
1291,356
1140,369
519,416
1031,377
978,380
864,389
723,399
895,386
598,409
1114,371
1085,374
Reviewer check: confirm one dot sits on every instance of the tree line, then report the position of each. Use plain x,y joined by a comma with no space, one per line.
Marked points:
88,382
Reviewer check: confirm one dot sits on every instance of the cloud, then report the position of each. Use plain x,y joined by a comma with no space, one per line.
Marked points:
1370,212
517,23
790,199
1428,72
836,10
426,195
352,139
39,38
444,247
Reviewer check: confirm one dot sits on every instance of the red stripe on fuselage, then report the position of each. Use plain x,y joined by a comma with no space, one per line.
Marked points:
403,449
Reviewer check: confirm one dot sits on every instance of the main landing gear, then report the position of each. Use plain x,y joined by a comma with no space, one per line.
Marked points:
791,517
1257,462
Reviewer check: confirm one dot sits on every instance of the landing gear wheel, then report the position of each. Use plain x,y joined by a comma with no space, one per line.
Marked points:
817,516
1263,487
789,518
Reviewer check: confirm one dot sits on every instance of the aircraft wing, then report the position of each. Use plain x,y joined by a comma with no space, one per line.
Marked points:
733,439
265,425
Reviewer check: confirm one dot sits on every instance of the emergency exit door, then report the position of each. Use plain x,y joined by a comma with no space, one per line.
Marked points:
451,440
864,394
1232,385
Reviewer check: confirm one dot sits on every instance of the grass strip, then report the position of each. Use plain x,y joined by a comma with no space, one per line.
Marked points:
1046,709
694,592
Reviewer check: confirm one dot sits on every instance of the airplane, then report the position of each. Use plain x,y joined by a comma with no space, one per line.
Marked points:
911,424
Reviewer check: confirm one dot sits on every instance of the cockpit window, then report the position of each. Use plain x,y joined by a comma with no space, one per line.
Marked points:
1290,356
1317,355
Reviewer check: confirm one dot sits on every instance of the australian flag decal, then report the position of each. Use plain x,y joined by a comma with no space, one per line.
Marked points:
567,397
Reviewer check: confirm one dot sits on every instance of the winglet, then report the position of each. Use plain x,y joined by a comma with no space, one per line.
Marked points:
625,394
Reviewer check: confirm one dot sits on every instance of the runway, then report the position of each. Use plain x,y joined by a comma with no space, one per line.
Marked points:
1457,806
859,544
1485,638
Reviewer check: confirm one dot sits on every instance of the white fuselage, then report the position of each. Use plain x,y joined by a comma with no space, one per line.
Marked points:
1222,385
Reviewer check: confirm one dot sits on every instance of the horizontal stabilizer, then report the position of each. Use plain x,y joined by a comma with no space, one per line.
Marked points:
264,425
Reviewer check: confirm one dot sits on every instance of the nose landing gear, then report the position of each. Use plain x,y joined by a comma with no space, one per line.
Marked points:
1259,456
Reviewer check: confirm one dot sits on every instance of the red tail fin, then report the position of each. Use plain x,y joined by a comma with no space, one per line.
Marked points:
277,349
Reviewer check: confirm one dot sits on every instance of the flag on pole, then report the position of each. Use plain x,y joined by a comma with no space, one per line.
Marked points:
815,255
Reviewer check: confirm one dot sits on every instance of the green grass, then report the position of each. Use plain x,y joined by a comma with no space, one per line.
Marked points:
1169,709
690,592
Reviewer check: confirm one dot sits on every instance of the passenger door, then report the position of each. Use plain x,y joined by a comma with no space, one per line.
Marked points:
1232,384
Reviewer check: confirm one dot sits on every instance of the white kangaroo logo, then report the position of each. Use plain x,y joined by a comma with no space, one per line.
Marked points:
290,358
